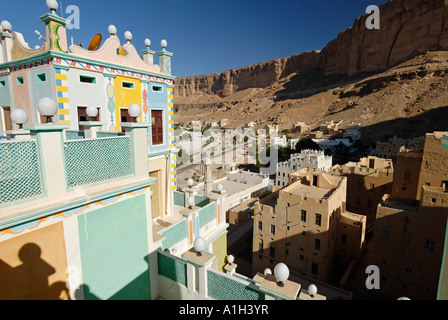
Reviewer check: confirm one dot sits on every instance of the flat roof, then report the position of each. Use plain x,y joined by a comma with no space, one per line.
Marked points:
308,191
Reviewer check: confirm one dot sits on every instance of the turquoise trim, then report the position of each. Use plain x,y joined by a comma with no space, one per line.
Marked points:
54,54
53,17
75,204
110,65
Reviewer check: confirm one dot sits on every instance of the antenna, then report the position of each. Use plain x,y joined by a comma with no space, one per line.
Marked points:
60,5
40,36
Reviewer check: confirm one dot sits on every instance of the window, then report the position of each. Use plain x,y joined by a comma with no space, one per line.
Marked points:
429,245
128,85
7,118
314,268
316,244
344,238
301,257
272,250
260,246
2,84
303,216
371,187
407,239
19,80
125,117
260,225
157,89
273,229
157,126
41,77
86,79
315,181
318,219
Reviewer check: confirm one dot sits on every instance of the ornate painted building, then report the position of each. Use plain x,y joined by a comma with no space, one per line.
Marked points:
88,207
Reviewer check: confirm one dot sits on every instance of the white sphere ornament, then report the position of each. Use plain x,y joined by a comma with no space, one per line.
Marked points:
134,111
19,117
112,30
92,111
267,271
163,43
53,5
230,259
199,245
128,36
281,272
312,290
6,26
47,108
403,298
147,42
220,187
190,201
190,182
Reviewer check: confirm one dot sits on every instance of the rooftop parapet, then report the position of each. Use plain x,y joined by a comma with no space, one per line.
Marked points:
43,172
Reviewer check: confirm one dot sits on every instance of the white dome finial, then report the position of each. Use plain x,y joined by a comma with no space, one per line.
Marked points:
53,5
128,36
147,43
6,26
112,30
163,44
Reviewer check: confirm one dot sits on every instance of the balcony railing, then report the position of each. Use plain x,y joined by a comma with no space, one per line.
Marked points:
20,176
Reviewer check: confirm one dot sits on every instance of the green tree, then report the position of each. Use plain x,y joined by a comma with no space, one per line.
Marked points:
306,143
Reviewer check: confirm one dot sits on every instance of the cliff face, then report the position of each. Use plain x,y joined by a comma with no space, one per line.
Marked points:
260,75
407,29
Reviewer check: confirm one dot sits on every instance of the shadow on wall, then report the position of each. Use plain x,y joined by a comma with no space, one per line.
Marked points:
29,280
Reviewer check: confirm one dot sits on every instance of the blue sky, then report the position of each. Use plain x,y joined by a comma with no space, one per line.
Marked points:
206,36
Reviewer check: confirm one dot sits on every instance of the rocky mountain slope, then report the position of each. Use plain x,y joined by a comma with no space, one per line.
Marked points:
392,80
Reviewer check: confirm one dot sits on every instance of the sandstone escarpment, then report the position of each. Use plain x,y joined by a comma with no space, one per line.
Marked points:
260,75
407,29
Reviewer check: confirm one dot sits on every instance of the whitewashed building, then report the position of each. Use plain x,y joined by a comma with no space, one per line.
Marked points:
311,159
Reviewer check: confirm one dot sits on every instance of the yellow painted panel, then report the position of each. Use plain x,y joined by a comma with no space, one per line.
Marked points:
65,112
170,104
60,76
62,89
124,97
170,113
63,100
64,122
171,129
174,188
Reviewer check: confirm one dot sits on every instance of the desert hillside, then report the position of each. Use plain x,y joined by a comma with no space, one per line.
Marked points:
392,80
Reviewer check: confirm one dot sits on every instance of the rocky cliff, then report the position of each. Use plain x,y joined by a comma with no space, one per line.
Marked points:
392,80
407,29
